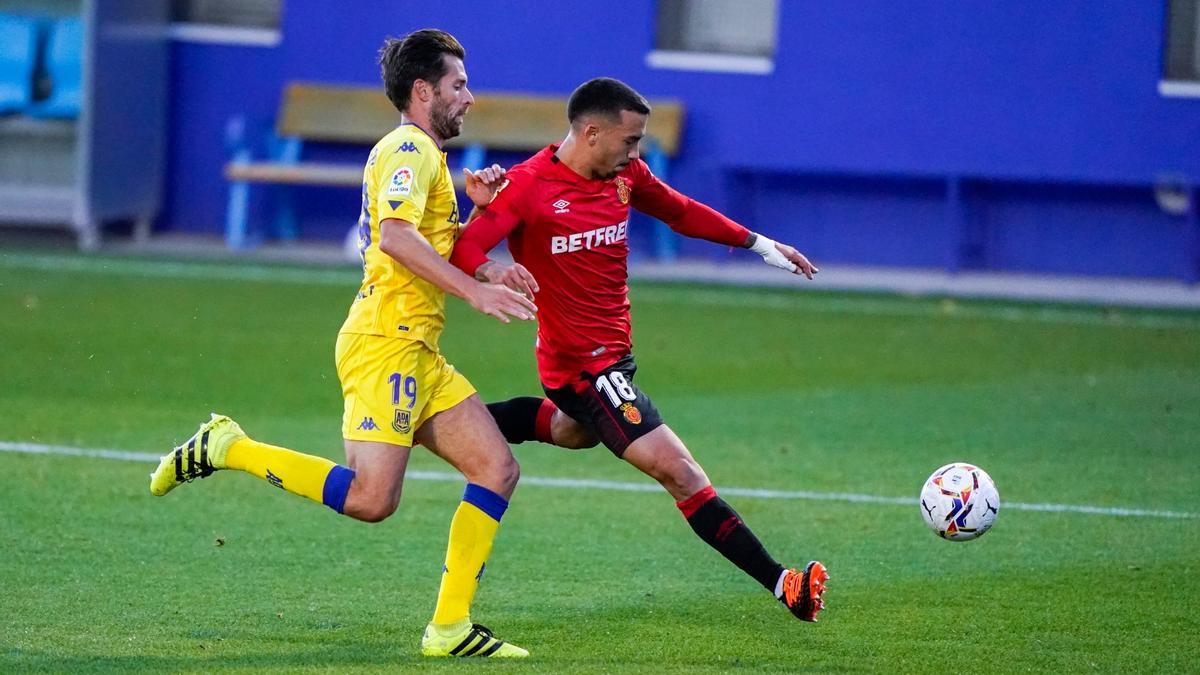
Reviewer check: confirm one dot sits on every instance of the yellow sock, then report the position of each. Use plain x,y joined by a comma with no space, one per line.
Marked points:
316,478
472,532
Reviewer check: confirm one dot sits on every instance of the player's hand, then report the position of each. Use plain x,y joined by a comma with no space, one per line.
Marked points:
514,276
798,263
501,302
482,185
781,255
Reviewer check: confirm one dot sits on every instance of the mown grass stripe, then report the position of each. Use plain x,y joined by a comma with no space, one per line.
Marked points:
620,486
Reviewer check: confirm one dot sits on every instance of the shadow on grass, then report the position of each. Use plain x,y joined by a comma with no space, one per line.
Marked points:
643,634
328,657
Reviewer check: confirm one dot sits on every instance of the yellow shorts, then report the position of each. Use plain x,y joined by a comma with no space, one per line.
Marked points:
391,386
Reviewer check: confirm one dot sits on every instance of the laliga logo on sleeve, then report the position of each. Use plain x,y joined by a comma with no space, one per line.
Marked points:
401,183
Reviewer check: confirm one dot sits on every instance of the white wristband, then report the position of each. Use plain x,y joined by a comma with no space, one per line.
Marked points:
765,247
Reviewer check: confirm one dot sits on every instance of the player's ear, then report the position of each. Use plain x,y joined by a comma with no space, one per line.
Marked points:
591,133
421,90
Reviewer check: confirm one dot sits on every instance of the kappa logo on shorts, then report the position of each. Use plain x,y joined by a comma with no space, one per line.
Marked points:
402,423
367,424
631,413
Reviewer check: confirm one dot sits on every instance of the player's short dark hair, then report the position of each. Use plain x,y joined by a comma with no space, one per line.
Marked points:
605,96
420,55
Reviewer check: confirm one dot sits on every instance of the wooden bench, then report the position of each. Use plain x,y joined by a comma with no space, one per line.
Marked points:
356,115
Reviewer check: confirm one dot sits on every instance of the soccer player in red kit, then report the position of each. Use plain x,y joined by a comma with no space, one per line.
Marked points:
565,212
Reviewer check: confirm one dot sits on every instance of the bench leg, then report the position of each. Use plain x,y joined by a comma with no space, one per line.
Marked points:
666,246
473,156
141,229
1192,273
87,236
285,214
235,215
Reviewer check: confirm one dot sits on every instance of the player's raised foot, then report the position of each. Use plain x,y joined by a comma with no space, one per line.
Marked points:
472,640
802,591
199,457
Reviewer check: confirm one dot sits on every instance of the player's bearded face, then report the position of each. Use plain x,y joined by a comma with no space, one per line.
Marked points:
447,123
451,99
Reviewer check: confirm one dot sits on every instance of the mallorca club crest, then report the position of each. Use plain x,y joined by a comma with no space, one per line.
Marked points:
622,193
631,413
403,422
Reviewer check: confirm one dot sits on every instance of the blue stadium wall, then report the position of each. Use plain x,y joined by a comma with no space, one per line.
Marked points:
1018,136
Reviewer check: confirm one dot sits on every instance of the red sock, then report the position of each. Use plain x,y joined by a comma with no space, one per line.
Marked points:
692,504
541,428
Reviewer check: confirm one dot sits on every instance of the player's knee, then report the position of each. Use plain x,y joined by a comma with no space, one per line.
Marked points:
569,434
509,472
373,506
378,510
575,438
498,473
684,474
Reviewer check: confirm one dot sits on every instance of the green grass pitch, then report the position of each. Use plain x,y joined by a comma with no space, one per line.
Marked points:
775,389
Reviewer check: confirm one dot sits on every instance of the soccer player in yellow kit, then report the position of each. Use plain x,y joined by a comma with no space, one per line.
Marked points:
397,387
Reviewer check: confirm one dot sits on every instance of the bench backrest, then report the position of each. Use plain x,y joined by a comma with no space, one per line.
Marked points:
499,121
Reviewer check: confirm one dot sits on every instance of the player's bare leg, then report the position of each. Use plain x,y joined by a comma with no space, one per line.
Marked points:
466,437
533,418
661,455
378,479
565,432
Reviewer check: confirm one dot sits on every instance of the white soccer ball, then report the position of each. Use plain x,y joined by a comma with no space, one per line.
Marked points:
959,502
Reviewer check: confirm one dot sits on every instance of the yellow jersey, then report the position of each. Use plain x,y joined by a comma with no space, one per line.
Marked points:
406,177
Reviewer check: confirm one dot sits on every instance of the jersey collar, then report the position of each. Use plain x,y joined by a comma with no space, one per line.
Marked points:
422,129
562,172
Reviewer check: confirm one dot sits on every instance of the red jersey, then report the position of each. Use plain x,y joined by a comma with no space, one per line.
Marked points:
571,233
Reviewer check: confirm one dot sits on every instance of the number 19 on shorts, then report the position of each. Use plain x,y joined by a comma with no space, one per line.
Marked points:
407,385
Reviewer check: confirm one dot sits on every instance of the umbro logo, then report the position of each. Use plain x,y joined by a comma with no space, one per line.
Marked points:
561,205
408,146
368,424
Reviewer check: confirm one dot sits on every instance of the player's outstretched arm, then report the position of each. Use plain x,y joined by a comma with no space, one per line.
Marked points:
400,239
495,221
694,219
